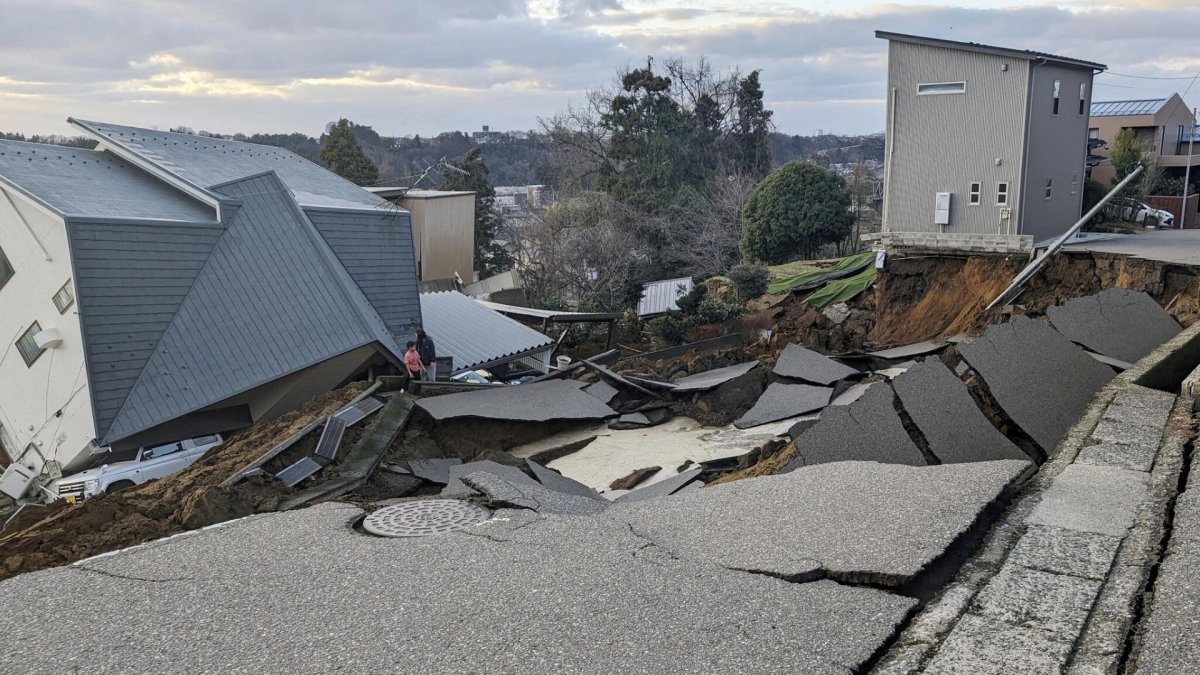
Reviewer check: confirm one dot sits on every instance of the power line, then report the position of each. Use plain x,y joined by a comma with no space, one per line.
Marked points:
1145,77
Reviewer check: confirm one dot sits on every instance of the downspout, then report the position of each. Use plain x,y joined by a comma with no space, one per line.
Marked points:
891,151
28,227
1015,227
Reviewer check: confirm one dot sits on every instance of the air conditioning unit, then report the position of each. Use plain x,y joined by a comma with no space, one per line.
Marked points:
16,480
49,338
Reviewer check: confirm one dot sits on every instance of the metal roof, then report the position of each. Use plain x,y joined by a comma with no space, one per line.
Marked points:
1147,106
77,182
473,334
204,162
268,300
549,314
660,296
1026,54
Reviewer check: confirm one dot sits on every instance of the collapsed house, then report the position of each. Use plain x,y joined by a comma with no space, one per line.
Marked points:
165,286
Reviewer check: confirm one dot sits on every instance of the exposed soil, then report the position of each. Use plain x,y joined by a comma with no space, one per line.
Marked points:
768,466
60,534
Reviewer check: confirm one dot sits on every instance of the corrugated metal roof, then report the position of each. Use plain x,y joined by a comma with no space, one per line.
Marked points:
1147,106
473,334
660,296
77,182
1026,54
270,300
205,162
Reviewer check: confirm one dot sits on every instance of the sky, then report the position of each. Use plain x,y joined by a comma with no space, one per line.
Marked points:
419,67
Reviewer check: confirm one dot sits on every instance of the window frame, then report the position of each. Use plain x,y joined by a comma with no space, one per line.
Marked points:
975,193
1082,98
29,334
1049,188
961,88
1074,183
62,309
1002,193
1057,97
6,269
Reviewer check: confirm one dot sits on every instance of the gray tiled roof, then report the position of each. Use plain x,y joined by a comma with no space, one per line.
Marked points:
73,182
270,299
473,334
205,162
1147,106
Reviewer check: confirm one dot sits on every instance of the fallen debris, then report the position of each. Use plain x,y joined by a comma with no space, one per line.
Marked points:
799,363
456,488
711,379
499,491
869,429
781,401
434,470
1117,323
554,480
1039,378
946,415
641,420
529,402
663,488
634,479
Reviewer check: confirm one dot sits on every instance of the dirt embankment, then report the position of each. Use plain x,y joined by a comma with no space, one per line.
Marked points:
192,498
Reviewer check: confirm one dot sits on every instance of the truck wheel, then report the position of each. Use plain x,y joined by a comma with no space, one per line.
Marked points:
119,485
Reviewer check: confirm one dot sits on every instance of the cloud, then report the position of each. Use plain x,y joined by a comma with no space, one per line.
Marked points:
284,65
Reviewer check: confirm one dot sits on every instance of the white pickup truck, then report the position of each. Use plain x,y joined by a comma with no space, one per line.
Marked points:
150,462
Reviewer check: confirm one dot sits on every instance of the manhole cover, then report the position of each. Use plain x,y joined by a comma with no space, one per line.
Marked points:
424,518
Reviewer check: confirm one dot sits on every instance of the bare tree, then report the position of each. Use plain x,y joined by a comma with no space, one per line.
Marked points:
707,238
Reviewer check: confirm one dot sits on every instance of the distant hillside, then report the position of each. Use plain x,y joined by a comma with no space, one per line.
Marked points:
513,158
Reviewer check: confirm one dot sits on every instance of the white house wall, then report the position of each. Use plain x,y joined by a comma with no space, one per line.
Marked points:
45,404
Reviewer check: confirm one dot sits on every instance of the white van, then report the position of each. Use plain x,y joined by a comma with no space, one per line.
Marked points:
151,462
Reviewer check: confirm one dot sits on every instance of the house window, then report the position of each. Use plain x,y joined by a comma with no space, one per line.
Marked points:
6,270
974,194
1049,187
64,298
1001,194
941,88
1082,98
27,346
1057,92
1074,183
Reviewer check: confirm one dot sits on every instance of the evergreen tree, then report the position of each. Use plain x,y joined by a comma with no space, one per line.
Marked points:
490,258
797,209
753,134
344,156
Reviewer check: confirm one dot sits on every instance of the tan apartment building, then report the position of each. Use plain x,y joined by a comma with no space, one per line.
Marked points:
443,227
1161,124
983,140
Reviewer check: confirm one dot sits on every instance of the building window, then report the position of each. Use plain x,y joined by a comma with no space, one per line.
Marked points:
1049,187
27,346
6,270
941,88
1074,183
1057,92
64,298
1082,98
1094,134
1001,194
974,194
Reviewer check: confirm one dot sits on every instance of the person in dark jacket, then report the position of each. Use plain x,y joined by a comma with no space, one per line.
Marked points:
428,354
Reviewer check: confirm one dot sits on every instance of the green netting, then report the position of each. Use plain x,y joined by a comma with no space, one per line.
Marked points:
842,290
815,278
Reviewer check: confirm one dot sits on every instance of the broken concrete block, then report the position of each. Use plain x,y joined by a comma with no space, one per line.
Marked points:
501,492
837,313
636,477
456,487
1040,379
640,420
855,522
711,379
943,410
909,351
435,470
1099,499
662,488
530,402
1019,596
799,363
802,425
868,429
781,401
1118,323
603,391
1067,552
554,480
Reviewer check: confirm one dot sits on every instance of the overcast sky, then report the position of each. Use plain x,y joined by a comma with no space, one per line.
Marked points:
408,67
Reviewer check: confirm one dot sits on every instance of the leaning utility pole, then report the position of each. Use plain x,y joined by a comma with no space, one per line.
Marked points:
1187,173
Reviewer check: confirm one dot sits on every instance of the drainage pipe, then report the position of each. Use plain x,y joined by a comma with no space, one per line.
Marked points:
1032,268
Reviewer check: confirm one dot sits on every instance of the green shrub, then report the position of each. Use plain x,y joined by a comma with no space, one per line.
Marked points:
749,279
